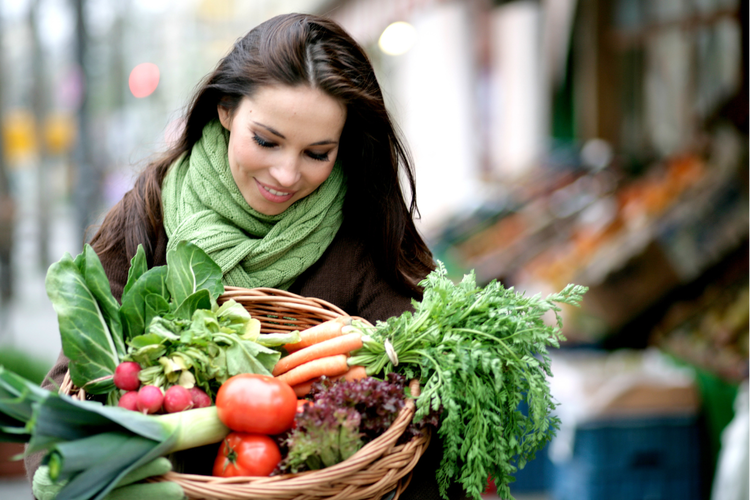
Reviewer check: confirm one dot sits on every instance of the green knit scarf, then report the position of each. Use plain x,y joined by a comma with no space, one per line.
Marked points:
203,204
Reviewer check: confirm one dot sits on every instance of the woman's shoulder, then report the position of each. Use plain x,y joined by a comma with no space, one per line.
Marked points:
346,275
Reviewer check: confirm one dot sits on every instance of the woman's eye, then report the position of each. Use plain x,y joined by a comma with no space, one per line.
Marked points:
318,156
262,142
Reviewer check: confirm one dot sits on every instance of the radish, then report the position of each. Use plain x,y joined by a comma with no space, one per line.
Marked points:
126,376
199,397
150,399
177,398
129,401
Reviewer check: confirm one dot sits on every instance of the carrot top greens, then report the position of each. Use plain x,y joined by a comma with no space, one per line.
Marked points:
478,353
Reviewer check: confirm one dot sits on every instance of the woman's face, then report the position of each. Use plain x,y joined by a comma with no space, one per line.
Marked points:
283,143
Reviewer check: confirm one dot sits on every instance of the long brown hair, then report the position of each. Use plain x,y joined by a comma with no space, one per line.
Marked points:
300,49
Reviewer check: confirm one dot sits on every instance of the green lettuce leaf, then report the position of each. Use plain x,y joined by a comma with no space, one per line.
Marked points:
198,300
246,356
133,310
138,266
190,270
98,283
155,306
84,326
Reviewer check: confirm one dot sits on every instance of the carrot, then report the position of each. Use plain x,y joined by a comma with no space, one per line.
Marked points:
356,372
303,389
330,366
320,332
336,345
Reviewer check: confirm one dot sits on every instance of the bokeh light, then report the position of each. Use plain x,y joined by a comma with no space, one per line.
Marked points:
397,38
144,79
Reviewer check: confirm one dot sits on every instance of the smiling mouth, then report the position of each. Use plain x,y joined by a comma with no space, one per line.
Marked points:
276,193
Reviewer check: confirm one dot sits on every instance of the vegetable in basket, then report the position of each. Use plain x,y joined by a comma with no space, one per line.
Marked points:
93,447
478,354
245,454
340,419
79,436
169,319
257,404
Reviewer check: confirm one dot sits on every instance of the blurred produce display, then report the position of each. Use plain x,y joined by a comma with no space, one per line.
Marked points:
631,239
711,331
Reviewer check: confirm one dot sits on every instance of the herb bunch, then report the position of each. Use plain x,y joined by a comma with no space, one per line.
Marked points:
478,353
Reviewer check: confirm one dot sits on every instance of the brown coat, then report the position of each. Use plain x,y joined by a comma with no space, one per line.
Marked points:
345,276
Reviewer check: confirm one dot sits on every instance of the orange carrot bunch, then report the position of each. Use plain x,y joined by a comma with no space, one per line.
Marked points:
323,350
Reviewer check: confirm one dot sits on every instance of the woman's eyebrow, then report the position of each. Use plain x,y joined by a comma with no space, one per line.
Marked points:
275,132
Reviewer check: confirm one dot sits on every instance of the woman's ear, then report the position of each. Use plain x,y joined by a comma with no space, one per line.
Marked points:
224,116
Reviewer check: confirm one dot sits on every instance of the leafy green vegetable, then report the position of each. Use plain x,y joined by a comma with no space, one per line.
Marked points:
138,266
135,309
344,416
169,322
98,284
91,445
206,349
478,353
88,318
190,270
198,300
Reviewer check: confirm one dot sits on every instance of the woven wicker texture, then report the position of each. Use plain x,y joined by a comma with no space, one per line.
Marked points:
380,469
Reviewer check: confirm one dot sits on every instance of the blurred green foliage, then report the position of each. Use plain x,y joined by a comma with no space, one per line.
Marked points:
24,364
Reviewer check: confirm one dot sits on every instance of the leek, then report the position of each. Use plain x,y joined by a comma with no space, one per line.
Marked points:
93,446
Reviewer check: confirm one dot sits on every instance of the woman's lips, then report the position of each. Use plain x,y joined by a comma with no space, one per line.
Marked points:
274,195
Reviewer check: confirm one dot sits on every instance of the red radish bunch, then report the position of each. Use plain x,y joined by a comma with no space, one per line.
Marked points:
126,376
177,398
199,397
150,399
128,401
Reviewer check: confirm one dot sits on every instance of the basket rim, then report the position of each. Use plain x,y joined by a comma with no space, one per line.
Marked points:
281,297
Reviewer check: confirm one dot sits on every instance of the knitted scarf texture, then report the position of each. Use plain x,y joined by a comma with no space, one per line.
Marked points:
203,204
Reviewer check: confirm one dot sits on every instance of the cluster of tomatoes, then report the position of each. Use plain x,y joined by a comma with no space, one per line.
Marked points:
255,408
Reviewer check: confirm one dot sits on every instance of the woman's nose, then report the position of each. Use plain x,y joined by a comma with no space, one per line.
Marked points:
286,172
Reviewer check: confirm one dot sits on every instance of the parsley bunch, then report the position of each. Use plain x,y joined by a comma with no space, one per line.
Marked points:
478,353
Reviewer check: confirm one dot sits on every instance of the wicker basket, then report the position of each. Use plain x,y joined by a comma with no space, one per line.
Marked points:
380,469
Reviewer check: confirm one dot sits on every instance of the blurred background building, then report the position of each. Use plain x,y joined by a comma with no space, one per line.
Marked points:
599,142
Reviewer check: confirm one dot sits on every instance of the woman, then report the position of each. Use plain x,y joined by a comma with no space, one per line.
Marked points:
287,175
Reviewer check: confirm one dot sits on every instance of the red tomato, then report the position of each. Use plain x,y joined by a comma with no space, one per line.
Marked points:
257,404
243,454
